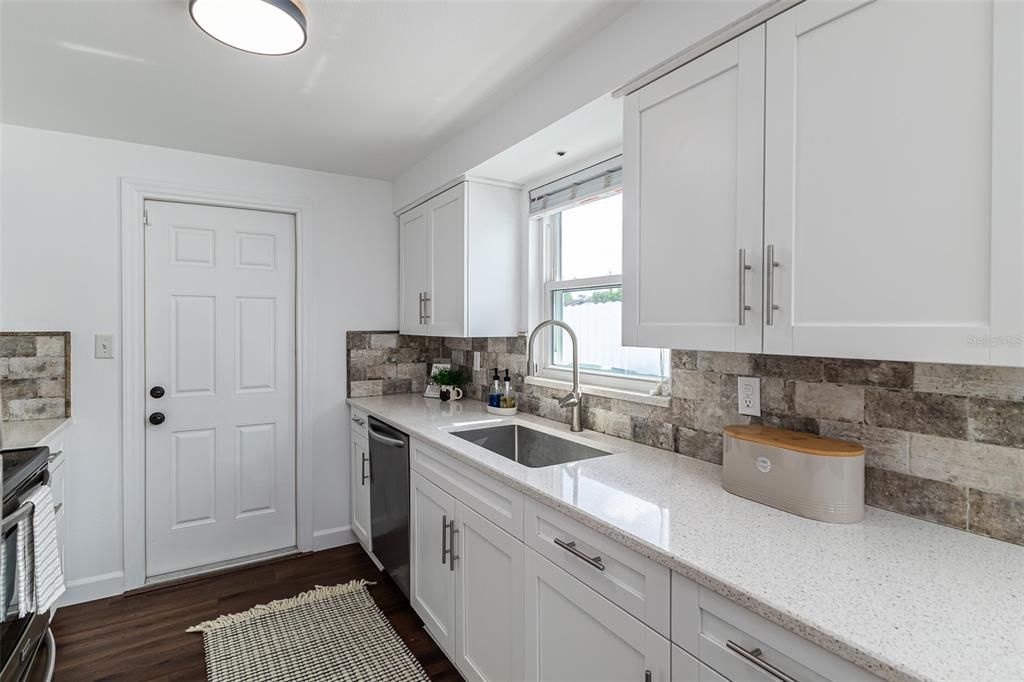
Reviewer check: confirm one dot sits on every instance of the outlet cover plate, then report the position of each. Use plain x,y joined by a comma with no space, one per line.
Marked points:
748,396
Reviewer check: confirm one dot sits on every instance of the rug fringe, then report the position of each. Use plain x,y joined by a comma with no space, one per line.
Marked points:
310,596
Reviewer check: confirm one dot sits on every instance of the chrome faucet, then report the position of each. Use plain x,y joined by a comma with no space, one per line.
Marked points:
574,399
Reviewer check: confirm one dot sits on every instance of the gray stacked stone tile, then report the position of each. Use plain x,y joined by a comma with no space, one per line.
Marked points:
944,443
35,375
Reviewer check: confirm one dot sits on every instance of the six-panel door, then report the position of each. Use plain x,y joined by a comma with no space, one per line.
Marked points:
893,172
489,600
692,222
220,342
433,582
573,633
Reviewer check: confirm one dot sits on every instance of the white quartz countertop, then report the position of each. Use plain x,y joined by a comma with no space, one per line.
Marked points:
906,599
31,432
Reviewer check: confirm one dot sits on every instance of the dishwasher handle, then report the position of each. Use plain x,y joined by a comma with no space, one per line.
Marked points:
387,440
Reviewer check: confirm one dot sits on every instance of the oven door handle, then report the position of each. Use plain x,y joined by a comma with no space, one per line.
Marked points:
15,517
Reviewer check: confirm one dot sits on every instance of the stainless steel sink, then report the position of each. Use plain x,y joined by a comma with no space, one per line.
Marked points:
529,447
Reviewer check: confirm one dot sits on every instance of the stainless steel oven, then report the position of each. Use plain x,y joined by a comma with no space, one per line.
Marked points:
27,648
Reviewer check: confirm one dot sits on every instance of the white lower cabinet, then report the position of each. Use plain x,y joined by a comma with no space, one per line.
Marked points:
467,584
433,582
488,599
573,633
360,477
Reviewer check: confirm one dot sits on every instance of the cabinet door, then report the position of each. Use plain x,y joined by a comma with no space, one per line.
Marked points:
573,633
489,600
414,243
433,580
360,479
446,305
694,150
893,168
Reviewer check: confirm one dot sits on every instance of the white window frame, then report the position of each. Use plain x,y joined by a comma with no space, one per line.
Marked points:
547,225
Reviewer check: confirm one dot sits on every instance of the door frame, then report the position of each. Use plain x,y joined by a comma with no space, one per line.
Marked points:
134,193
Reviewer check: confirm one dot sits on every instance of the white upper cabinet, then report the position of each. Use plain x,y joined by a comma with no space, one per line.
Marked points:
890,134
893,180
413,237
693,172
459,265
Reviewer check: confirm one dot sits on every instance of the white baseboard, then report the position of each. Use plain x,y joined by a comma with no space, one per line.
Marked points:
333,537
91,588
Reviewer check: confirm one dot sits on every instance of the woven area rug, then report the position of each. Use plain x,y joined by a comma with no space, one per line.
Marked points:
328,633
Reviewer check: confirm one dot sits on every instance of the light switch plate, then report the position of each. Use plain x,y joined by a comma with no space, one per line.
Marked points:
748,396
104,346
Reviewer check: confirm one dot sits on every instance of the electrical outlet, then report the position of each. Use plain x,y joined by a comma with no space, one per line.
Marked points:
476,360
104,346
748,396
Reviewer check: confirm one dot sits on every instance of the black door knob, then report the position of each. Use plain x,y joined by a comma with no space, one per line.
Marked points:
157,418
157,392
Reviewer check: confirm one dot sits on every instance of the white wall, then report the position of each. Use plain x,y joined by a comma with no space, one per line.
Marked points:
646,35
61,270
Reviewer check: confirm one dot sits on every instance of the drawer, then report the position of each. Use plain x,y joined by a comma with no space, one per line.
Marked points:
686,668
358,421
707,626
496,502
635,583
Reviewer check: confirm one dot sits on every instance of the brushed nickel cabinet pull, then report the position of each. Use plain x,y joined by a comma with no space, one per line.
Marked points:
444,539
769,285
743,267
754,658
452,531
570,547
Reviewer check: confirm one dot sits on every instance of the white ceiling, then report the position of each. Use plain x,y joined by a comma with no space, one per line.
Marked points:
589,134
379,84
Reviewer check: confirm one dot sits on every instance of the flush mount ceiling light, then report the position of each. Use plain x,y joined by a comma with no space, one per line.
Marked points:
260,26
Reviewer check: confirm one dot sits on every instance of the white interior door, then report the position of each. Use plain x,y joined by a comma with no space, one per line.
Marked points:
692,229
893,169
220,341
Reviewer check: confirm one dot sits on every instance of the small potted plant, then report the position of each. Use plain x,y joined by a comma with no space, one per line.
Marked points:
450,379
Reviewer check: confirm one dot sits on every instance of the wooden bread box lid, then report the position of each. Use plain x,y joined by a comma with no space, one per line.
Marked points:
807,443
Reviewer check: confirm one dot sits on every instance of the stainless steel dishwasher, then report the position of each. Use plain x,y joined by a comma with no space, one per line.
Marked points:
389,500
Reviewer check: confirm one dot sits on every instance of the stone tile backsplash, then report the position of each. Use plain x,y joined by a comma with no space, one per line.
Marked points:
35,375
944,443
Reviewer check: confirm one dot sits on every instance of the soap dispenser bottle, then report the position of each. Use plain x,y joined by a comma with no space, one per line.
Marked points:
508,397
494,397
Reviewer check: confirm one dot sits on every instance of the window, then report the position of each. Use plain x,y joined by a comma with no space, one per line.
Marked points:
582,286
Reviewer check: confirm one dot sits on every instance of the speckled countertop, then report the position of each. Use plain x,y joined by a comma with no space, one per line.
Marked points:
906,599
31,432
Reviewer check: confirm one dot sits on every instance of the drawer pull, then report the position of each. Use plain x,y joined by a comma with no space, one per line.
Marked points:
754,658
594,561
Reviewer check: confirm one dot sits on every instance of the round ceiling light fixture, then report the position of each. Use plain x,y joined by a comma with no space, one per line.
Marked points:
273,27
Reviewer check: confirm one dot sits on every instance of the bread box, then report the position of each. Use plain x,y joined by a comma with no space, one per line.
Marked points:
801,473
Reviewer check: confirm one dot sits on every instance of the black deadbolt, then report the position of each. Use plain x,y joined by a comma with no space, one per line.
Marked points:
157,392
157,418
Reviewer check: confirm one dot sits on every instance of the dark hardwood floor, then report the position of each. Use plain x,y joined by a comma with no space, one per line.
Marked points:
142,636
